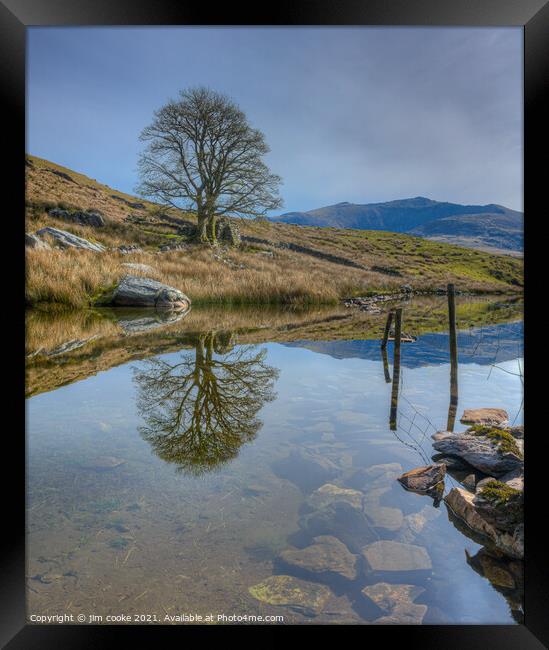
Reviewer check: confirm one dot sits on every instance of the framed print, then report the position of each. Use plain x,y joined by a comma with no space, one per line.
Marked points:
274,272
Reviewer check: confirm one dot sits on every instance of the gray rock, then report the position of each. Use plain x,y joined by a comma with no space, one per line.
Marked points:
423,479
500,505
451,462
136,291
479,451
126,249
68,240
517,432
514,479
390,556
461,503
81,217
304,597
327,557
33,241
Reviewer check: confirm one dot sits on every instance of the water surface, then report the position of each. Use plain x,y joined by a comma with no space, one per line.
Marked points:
169,466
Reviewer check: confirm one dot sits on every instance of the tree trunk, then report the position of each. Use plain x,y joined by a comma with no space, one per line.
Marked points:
211,228
202,227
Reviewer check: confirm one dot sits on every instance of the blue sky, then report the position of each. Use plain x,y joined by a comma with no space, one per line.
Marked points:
350,114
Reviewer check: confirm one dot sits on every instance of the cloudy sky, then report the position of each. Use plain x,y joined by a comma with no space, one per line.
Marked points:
351,114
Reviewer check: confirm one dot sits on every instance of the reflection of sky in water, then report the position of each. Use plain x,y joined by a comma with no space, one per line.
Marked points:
333,405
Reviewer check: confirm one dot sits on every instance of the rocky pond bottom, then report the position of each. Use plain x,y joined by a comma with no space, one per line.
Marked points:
238,481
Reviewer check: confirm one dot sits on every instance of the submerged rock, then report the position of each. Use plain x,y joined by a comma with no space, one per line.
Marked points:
304,597
341,520
486,416
390,556
415,522
383,516
423,479
327,557
396,601
329,493
306,469
491,450
68,240
408,614
136,291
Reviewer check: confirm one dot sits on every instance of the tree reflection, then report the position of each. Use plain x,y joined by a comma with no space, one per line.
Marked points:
199,411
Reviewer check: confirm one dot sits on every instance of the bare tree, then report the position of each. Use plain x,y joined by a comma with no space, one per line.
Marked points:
198,412
202,155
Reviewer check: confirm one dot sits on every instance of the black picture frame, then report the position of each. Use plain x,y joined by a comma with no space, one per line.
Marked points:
533,15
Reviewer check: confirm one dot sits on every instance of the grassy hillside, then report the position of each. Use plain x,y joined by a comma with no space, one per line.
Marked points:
277,263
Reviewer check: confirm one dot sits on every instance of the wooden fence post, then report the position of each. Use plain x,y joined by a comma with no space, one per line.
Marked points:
453,358
387,330
396,370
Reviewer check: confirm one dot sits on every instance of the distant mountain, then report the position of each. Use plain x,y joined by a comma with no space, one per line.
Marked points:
478,226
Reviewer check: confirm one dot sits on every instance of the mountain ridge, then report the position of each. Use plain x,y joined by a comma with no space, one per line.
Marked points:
475,226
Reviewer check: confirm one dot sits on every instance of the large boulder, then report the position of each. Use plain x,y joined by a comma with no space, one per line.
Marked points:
462,504
33,241
491,450
135,291
82,217
68,240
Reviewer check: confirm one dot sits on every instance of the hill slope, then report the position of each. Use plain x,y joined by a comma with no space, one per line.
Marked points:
277,263
480,226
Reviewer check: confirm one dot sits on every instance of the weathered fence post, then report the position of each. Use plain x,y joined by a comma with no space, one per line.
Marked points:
453,358
385,360
387,330
396,370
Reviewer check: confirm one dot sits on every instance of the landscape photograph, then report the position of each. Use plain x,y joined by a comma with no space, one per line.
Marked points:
274,326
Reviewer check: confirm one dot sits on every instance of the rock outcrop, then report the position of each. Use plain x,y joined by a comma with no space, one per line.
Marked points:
463,505
91,218
33,241
68,240
136,291
491,450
